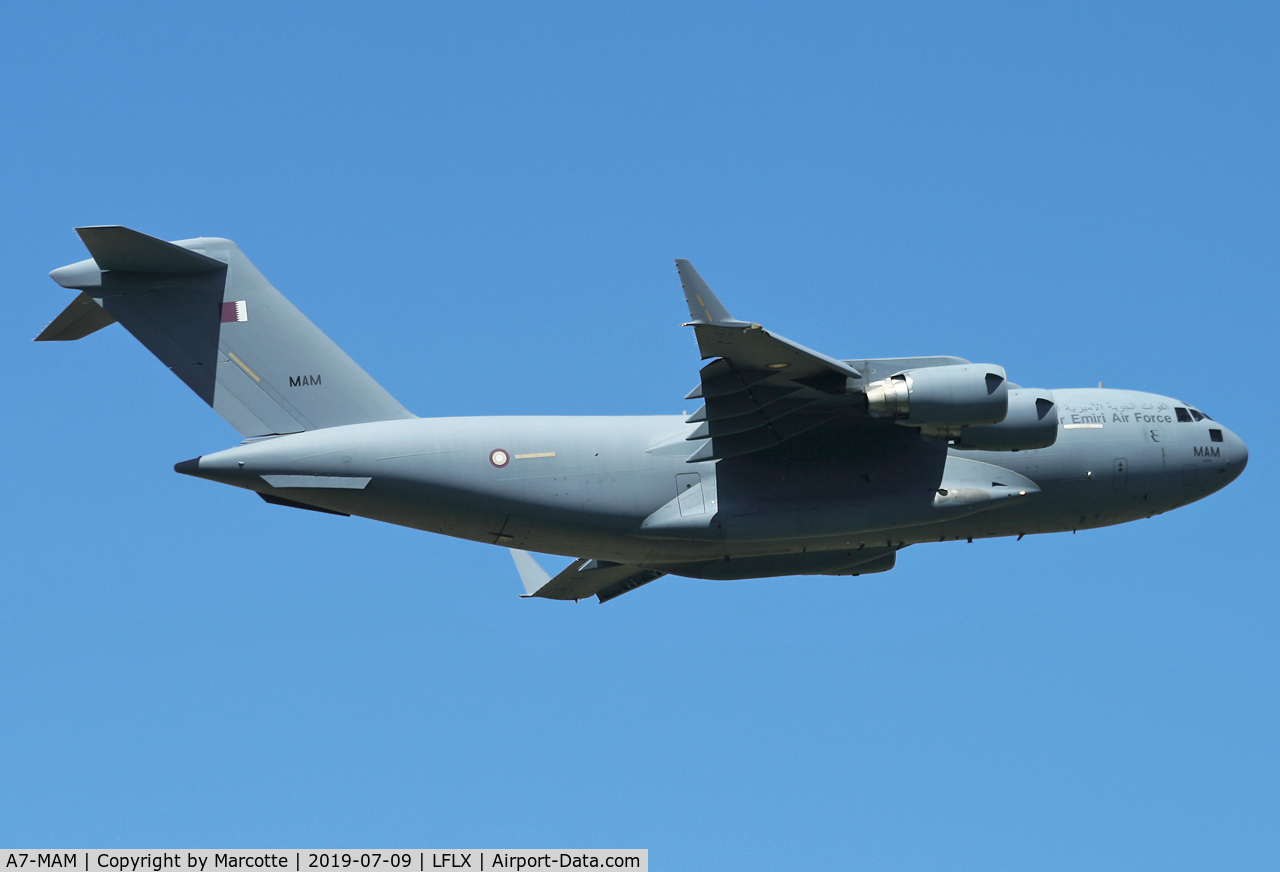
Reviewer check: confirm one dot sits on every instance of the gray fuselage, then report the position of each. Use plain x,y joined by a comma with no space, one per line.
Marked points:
795,463
619,488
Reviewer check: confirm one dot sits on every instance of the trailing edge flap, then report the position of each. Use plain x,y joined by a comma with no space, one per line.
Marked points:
759,383
82,317
119,248
580,579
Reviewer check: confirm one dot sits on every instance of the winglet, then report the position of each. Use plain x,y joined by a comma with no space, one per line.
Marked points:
704,306
533,575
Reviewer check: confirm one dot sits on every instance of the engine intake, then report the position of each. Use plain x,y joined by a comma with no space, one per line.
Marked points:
942,399
1032,423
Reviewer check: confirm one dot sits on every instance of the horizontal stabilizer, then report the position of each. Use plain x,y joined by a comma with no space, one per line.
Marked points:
82,317
208,314
119,248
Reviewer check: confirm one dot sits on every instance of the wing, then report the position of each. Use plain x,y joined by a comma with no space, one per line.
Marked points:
580,579
761,389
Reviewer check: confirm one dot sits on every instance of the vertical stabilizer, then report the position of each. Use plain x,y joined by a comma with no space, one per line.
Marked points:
204,309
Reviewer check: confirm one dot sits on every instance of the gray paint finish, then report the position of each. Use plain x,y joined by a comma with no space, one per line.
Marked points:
785,469
204,309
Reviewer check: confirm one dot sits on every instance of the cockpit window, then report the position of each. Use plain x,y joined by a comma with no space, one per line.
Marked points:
1183,415
1199,416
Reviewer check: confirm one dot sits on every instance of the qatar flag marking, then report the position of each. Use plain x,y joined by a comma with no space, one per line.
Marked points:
236,311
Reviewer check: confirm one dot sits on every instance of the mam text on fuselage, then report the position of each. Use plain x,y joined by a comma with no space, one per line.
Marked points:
795,463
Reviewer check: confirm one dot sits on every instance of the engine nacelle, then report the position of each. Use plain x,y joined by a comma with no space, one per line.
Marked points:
942,399
1032,423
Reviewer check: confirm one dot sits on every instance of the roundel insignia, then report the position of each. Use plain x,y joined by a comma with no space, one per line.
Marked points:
499,458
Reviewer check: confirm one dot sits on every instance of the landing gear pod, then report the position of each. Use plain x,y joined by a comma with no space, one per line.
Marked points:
1032,423
942,399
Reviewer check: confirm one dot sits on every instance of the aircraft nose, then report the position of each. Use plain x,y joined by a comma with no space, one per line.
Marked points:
1238,453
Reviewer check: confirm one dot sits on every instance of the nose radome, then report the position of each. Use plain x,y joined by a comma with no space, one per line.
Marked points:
1238,454
1241,453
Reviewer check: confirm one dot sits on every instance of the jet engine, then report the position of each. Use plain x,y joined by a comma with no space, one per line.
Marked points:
1032,422
941,400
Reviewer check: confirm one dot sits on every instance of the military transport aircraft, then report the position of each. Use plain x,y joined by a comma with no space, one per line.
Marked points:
796,464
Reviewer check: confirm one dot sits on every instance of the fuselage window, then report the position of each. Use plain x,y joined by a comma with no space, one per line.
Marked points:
1183,415
1215,435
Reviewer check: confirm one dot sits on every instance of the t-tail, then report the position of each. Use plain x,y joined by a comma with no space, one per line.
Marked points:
202,308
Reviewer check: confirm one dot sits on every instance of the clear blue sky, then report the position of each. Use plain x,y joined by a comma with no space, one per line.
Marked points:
481,204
